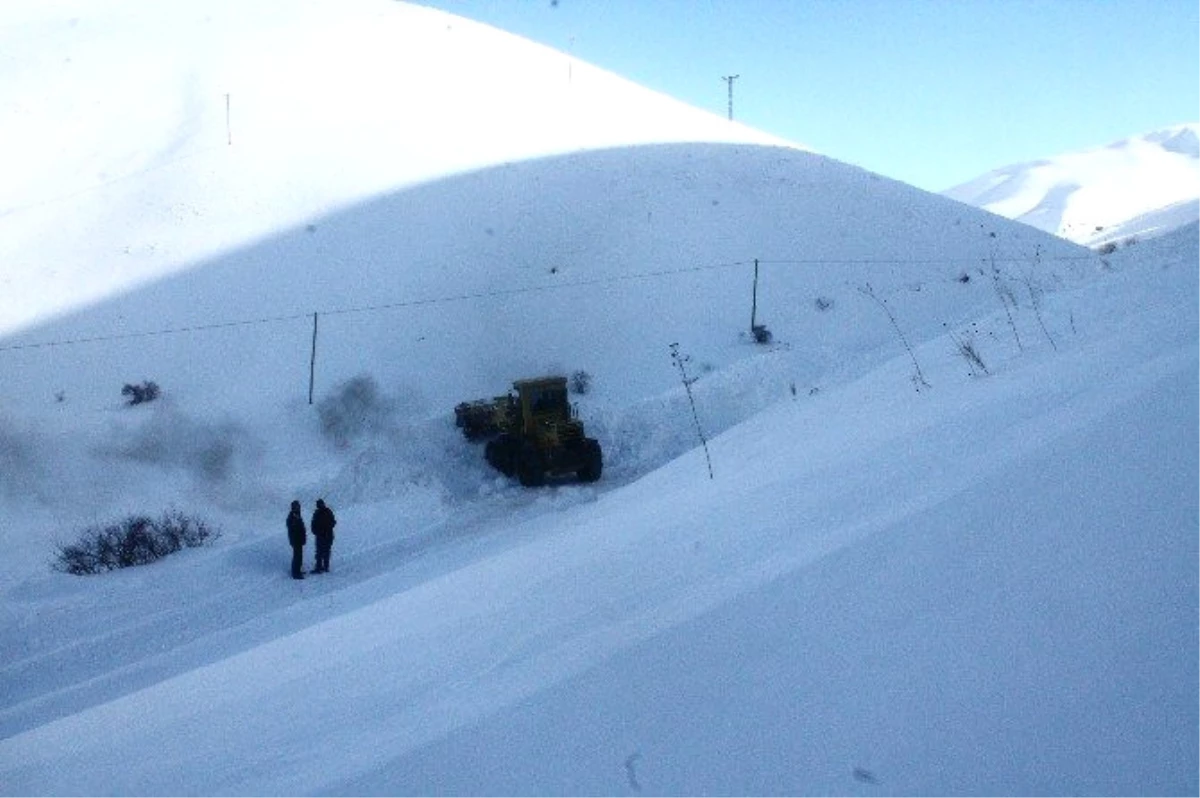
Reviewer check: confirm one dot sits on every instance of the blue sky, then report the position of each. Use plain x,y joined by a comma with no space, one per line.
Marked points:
931,92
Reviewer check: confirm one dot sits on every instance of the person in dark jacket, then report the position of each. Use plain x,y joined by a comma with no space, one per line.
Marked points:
297,537
323,523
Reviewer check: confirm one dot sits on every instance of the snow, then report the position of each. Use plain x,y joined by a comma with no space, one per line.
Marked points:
1140,186
234,120
961,583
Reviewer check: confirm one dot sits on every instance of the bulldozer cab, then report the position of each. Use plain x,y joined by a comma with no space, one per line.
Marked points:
543,403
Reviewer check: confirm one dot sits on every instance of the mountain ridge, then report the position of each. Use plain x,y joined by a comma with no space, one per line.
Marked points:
1094,196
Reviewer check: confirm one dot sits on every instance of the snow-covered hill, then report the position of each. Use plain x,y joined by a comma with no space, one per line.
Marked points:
988,586
1138,187
571,209
163,133
949,542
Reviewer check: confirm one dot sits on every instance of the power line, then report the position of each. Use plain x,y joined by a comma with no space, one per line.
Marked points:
368,308
534,288
413,303
151,333
914,261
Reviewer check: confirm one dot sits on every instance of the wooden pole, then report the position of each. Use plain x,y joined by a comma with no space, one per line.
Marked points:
754,299
312,363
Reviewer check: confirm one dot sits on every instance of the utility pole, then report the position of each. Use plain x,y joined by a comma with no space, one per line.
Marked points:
730,79
312,362
571,61
754,299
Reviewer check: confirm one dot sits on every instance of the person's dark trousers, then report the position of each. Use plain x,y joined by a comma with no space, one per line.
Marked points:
323,551
297,562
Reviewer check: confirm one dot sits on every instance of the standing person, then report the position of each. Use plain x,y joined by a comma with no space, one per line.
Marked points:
323,523
297,536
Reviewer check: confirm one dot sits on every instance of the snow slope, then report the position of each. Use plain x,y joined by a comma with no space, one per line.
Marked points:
443,290
985,587
164,133
910,573
1136,187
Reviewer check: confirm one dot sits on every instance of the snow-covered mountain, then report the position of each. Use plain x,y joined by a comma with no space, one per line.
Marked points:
1134,188
949,539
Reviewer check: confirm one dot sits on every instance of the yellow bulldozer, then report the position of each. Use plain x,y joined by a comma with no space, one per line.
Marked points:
532,432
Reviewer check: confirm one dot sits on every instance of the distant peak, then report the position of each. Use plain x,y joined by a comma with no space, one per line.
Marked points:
1181,139
1141,184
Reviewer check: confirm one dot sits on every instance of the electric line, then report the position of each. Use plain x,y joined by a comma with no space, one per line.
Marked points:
413,303
152,333
911,261
368,308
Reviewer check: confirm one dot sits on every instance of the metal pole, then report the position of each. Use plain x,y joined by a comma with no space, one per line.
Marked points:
730,79
312,363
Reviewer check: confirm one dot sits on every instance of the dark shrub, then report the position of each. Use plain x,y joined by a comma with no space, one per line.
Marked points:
146,392
135,540
581,382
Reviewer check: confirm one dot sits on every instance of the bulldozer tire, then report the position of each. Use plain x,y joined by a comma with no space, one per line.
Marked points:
531,471
593,462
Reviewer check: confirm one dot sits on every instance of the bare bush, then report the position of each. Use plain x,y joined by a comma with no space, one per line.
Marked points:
148,391
1008,300
1035,300
965,344
581,382
918,377
681,360
134,540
